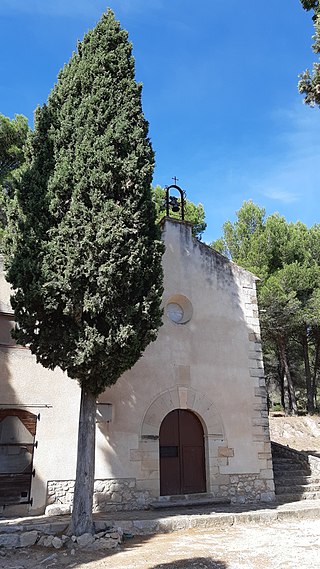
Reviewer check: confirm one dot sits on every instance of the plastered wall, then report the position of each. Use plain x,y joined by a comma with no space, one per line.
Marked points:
210,364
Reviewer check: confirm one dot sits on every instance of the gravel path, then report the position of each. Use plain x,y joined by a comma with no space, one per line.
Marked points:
285,545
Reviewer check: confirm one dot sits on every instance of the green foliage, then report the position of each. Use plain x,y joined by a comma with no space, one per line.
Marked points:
193,213
241,240
309,84
279,307
85,257
13,136
310,4
286,257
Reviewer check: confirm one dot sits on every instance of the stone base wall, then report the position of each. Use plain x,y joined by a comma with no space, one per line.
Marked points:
243,488
114,495
248,489
109,495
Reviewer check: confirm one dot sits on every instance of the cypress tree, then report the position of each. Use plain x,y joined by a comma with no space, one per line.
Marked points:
86,264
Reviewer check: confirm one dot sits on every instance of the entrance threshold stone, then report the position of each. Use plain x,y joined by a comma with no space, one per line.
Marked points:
187,500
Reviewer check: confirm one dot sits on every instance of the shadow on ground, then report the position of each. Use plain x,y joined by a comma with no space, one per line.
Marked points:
194,563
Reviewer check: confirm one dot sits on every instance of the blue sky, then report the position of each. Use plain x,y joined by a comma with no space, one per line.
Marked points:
220,92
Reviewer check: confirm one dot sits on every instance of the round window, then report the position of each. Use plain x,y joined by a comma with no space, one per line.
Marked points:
175,312
178,309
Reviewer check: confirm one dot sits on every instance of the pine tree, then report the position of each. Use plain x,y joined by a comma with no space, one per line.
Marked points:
13,136
309,84
90,303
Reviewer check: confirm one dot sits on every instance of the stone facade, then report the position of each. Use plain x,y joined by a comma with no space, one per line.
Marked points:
206,360
109,495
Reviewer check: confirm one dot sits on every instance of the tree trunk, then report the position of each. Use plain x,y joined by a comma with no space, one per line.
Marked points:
285,399
81,520
287,379
286,396
316,365
305,349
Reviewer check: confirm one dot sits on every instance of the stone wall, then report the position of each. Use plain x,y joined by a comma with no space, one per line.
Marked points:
122,494
109,495
248,489
262,486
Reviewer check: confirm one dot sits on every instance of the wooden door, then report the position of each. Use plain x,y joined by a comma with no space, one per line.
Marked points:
182,463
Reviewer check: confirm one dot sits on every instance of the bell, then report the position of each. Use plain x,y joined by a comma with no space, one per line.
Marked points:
174,204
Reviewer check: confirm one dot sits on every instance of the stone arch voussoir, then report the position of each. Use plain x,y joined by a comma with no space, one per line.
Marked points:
181,397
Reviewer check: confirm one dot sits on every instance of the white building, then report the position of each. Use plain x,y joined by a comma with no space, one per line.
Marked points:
189,418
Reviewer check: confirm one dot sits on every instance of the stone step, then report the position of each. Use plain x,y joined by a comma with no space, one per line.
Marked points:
291,472
295,480
292,476
295,468
290,467
284,498
285,461
297,489
187,500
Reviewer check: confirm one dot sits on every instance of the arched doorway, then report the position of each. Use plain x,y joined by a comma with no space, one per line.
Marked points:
182,460
17,433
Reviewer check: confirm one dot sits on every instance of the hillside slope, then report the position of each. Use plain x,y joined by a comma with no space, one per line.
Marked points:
301,433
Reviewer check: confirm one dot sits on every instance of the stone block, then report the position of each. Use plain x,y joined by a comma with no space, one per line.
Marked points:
255,347
57,509
153,486
270,485
266,473
136,455
263,455
100,526
213,468
254,337
104,543
150,430
225,452
99,486
57,543
256,372
250,319
149,445
28,538
116,497
46,540
150,465
85,539
145,526
9,540
260,392
221,479
262,421
267,497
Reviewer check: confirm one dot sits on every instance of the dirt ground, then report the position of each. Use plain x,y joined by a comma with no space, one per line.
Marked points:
301,433
285,545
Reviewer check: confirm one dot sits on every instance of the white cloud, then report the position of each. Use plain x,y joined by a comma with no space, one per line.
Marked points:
291,173
284,176
281,195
